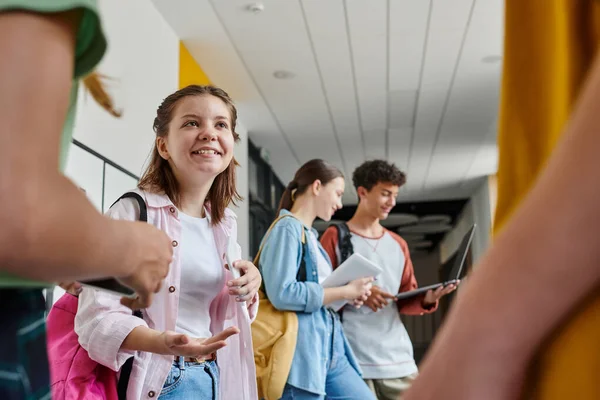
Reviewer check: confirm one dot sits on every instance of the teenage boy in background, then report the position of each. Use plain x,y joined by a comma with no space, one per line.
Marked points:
376,333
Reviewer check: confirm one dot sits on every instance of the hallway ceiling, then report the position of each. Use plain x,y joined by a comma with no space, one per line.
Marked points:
413,81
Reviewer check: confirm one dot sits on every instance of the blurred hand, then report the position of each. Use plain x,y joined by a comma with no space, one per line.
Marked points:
379,298
359,290
151,258
73,288
432,296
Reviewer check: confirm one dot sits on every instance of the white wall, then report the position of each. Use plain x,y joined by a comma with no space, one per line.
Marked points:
482,212
243,210
142,62
477,210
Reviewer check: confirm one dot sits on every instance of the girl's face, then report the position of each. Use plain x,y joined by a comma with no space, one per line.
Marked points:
199,145
328,197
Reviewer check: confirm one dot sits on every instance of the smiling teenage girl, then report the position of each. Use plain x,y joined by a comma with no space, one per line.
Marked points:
187,187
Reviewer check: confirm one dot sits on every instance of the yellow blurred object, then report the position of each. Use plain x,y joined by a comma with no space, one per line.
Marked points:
549,47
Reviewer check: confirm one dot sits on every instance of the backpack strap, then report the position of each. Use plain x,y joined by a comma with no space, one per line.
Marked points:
301,275
344,241
346,249
140,200
123,382
260,249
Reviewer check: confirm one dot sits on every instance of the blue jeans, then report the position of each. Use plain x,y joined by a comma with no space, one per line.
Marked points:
191,380
342,383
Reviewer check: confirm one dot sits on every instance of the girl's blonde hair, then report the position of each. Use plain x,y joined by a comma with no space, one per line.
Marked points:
94,85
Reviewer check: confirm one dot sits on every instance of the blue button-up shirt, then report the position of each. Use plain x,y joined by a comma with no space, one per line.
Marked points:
279,264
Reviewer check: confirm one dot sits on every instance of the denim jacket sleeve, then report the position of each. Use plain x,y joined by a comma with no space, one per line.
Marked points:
279,263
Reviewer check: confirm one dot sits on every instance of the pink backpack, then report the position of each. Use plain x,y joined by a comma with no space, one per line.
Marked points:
73,374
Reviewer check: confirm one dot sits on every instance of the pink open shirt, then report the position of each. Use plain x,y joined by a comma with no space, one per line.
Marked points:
102,323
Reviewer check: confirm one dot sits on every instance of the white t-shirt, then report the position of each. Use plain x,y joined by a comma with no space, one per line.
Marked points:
379,339
323,266
202,276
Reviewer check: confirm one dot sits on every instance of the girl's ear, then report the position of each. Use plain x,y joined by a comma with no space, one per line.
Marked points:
161,146
316,187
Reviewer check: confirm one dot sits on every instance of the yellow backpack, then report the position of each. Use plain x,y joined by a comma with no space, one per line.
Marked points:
274,336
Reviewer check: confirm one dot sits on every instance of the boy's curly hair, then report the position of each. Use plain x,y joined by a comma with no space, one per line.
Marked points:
370,173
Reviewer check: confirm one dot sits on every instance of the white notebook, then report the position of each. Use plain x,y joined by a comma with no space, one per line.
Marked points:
355,267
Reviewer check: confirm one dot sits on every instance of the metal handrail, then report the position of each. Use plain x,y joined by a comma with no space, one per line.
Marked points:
106,160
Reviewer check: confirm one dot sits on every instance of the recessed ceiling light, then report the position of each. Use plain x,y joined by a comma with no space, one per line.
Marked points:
491,59
255,7
281,74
